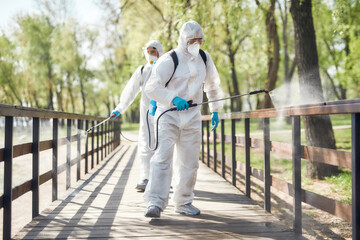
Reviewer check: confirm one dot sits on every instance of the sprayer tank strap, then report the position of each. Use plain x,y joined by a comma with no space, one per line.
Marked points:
176,62
142,69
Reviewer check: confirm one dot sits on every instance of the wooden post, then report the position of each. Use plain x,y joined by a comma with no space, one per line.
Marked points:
102,142
119,132
35,167
355,138
116,134
267,177
97,144
8,159
247,158
54,172
208,143
296,158
233,152
92,144
214,132
87,148
223,148
78,150
111,137
68,155
106,138
202,141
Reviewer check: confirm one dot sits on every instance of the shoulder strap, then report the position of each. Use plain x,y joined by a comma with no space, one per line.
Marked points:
176,63
142,68
203,56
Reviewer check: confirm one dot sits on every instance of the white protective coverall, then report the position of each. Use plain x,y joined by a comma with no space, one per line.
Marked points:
136,84
180,128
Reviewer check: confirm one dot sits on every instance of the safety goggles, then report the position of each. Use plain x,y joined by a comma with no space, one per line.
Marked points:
194,40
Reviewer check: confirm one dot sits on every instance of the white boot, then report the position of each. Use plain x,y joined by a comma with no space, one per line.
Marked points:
187,209
152,212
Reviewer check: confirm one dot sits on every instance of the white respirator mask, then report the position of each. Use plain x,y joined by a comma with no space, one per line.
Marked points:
152,59
194,48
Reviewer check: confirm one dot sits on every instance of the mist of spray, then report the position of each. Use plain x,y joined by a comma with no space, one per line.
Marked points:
293,95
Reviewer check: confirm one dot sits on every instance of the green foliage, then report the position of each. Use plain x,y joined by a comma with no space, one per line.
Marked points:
337,29
11,82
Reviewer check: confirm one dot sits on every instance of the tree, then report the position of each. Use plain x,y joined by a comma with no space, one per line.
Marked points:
236,31
288,69
318,129
11,83
273,48
35,38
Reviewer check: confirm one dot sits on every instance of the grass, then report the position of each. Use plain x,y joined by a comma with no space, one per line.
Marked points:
340,119
282,167
129,126
342,186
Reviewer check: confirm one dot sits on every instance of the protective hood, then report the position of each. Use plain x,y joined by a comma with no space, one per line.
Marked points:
155,44
189,31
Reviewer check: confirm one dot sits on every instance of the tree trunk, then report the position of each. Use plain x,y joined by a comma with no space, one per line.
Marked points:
13,90
205,107
273,47
82,90
60,97
70,90
318,129
238,102
50,86
288,70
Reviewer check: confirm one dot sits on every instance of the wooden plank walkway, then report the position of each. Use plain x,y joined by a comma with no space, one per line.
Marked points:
106,205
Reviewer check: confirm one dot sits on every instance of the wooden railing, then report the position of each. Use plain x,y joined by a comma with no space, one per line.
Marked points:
108,134
294,151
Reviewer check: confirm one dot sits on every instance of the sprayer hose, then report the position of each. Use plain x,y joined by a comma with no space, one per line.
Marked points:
157,128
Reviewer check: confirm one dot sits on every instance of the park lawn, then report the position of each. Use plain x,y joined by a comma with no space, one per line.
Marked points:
127,126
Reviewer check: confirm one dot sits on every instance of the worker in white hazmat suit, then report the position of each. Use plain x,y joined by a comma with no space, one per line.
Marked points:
193,75
152,51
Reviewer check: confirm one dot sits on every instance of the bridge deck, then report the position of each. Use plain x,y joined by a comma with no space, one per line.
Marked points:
106,205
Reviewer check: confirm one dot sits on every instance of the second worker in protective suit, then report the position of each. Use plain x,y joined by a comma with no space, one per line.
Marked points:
171,85
152,51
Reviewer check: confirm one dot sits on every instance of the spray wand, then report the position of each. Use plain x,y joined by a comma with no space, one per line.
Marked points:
191,104
104,121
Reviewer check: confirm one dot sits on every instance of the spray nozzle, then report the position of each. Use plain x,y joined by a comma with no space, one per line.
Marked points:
259,91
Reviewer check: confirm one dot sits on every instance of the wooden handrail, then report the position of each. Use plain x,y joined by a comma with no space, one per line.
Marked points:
325,108
20,111
316,154
9,152
350,160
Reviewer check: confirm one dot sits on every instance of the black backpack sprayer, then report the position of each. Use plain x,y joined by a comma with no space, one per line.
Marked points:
191,104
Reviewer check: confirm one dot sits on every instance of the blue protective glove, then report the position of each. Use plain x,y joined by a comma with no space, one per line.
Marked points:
214,120
115,114
180,104
152,107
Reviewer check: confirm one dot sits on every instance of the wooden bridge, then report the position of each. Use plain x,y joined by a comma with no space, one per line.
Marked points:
103,203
